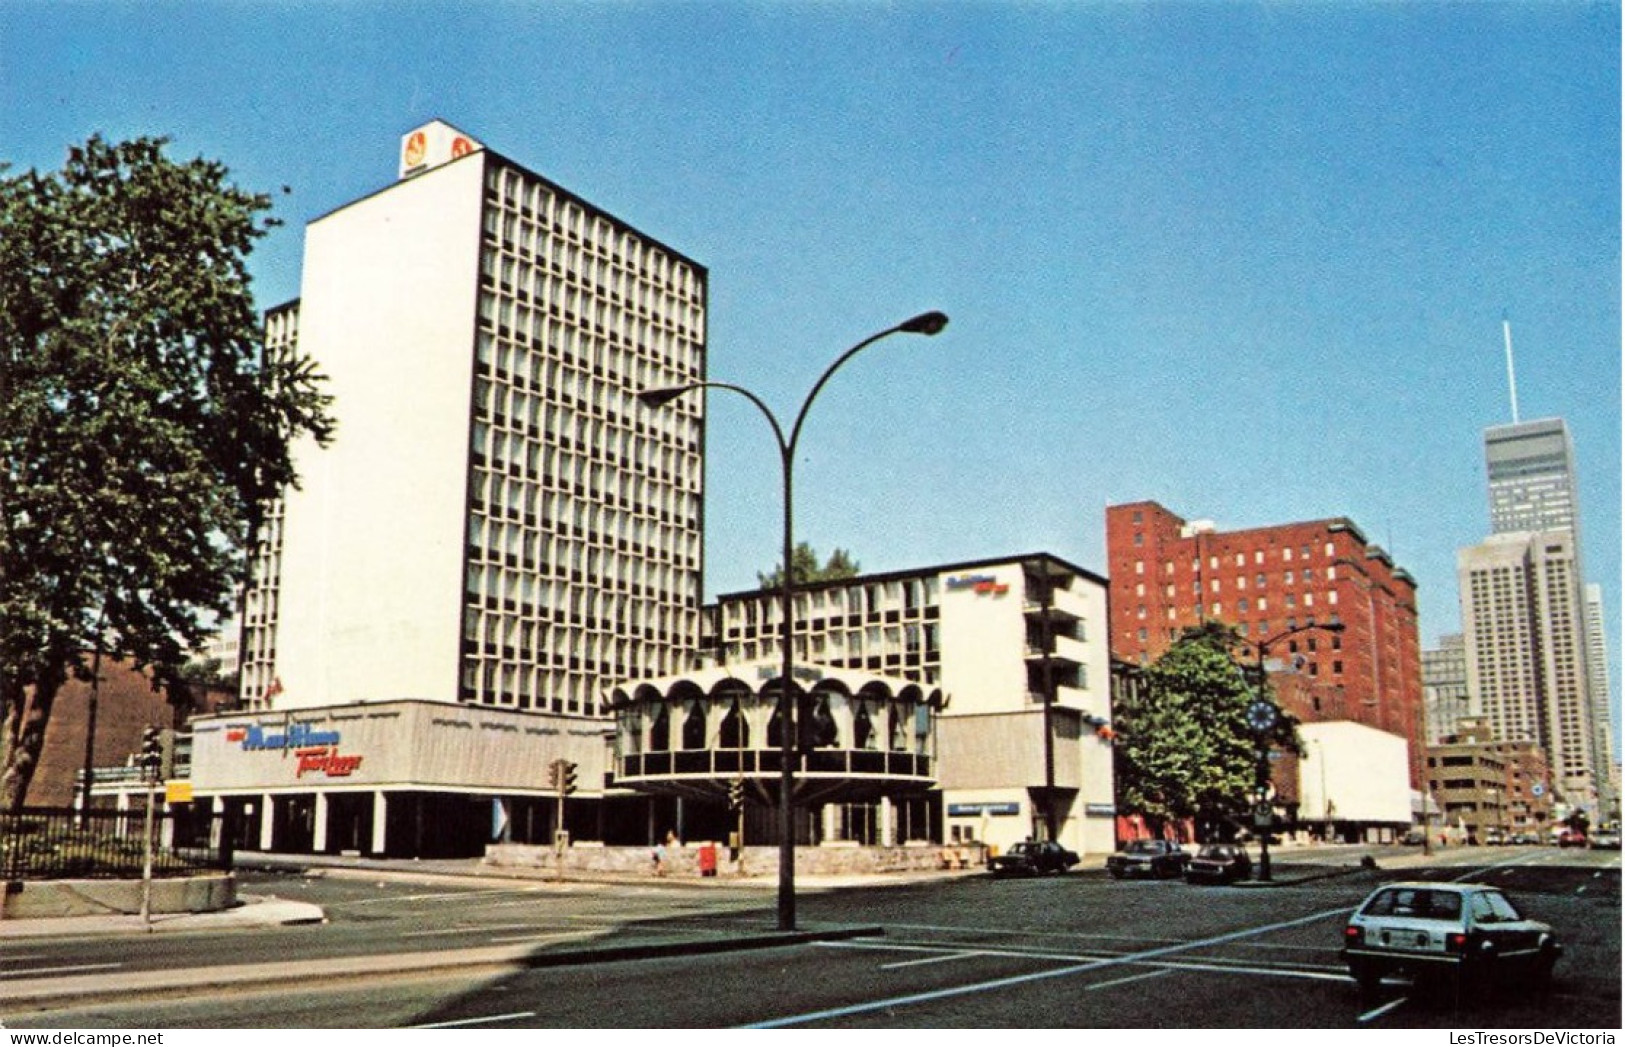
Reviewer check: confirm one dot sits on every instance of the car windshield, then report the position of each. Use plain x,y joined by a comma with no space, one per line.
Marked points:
1415,901
1145,847
1218,850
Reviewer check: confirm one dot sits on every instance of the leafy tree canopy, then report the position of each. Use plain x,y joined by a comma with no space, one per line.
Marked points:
142,423
805,564
1184,750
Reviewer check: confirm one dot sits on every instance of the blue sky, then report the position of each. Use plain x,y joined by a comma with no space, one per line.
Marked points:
1248,260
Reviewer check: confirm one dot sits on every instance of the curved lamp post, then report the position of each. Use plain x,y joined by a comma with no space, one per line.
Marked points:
926,323
1262,716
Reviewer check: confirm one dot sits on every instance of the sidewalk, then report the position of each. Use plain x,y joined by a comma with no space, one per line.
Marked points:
255,911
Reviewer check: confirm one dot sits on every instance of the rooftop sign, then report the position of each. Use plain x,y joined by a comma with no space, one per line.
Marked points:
433,144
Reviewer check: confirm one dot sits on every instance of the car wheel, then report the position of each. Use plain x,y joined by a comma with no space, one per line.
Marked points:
1117,874
1540,978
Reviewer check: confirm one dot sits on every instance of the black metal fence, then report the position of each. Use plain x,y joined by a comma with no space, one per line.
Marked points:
60,843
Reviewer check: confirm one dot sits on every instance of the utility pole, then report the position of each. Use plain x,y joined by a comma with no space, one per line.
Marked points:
151,758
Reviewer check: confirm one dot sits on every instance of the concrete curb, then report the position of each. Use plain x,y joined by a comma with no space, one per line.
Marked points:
262,912
48,993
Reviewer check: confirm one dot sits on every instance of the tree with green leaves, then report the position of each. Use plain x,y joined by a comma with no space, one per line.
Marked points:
1183,748
143,424
804,561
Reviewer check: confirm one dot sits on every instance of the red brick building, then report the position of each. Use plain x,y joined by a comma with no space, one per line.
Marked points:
126,704
1168,574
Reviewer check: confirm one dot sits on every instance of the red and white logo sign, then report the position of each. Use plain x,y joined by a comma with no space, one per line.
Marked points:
416,149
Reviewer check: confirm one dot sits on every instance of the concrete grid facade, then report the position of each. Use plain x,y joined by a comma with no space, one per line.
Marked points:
1168,575
499,521
1525,639
1445,695
978,632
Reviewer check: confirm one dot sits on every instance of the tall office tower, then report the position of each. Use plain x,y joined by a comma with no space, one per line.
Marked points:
1524,628
1601,693
1168,575
498,521
1532,488
1531,476
1445,696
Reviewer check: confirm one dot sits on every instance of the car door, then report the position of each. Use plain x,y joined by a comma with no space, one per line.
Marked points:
1506,937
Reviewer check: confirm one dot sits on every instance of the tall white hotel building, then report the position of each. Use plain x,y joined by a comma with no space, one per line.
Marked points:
498,522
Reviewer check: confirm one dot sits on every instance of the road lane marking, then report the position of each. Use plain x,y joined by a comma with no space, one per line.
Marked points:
1216,964
1373,1015
932,959
551,937
476,1021
471,893
1023,979
1130,978
59,970
467,928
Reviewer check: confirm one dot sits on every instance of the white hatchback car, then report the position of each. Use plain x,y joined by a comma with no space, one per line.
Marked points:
1467,934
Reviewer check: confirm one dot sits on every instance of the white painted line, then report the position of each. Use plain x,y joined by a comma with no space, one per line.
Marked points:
1323,973
1130,978
467,928
552,937
1005,983
1373,1015
931,959
472,893
475,1021
59,970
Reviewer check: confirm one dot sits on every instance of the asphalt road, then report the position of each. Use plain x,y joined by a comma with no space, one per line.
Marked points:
1081,951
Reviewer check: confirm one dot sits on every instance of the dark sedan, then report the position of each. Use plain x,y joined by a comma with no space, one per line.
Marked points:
1219,863
1033,858
1157,859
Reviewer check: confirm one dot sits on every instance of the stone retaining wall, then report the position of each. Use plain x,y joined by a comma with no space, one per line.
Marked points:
832,860
29,899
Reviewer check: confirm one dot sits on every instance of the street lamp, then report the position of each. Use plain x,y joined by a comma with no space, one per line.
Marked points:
1262,716
927,324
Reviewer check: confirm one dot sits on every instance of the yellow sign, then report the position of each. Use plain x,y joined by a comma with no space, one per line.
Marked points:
177,792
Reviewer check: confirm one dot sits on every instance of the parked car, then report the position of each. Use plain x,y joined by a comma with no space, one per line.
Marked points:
1412,838
1032,858
1525,839
1219,863
1153,858
1467,935
1605,841
1572,838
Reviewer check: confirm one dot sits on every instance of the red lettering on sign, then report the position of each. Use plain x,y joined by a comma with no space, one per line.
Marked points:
325,759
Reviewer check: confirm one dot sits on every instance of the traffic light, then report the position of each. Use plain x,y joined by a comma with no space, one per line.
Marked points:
567,777
736,794
151,750
555,774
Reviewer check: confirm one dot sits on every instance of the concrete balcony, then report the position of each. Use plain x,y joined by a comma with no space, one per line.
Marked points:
1067,651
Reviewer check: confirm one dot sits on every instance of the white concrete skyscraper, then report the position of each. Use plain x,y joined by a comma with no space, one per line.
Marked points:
499,521
1524,631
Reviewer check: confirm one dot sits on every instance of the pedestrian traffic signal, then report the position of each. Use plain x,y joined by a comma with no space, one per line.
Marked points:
736,794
